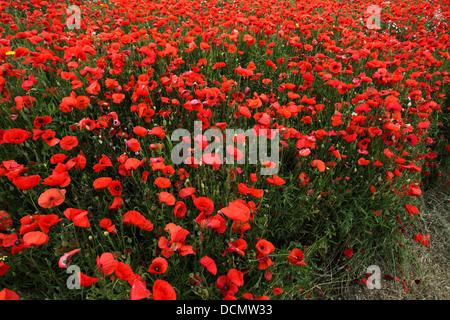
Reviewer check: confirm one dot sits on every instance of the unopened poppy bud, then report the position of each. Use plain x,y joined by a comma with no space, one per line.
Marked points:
90,238
106,233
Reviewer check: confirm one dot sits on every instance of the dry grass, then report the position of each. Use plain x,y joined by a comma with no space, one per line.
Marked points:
430,265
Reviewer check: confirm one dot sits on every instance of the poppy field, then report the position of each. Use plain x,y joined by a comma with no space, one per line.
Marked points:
94,205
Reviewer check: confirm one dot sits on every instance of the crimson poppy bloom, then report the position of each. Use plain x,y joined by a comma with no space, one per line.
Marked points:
139,290
64,260
5,221
162,290
28,223
117,203
25,183
115,188
78,216
186,192
264,247
7,294
180,209
45,221
106,263
123,271
107,224
237,210
133,144
411,209
236,277
296,257
42,121
102,183
52,198
224,284
167,198
4,268
163,182
335,67
137,219
423,239
204,204
68,142
35,238
86,281
319,164
16,135
348,252
159,266
209,264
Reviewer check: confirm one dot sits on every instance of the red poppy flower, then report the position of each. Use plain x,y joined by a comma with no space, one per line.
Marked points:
78,216
163,182
25,183
162,290
319,164
27,223
224,284
411,209
209,264
166,198
3,268
41,121
117,203
35,238
57,179
64,260
102,183
16,136
48,136
204,204
237,210
236,277
423,239
7,294
115,188
296,257
85,280
123,271
363,162
186,192
52,198
235,152
68,142
140,131
103,163
58,158
5,221
139,290
107,224
335,67
348,252
276,180
237,246
264,247
106,263
168,170
29,81
133,144
137,219
45,221
159,266
180,209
